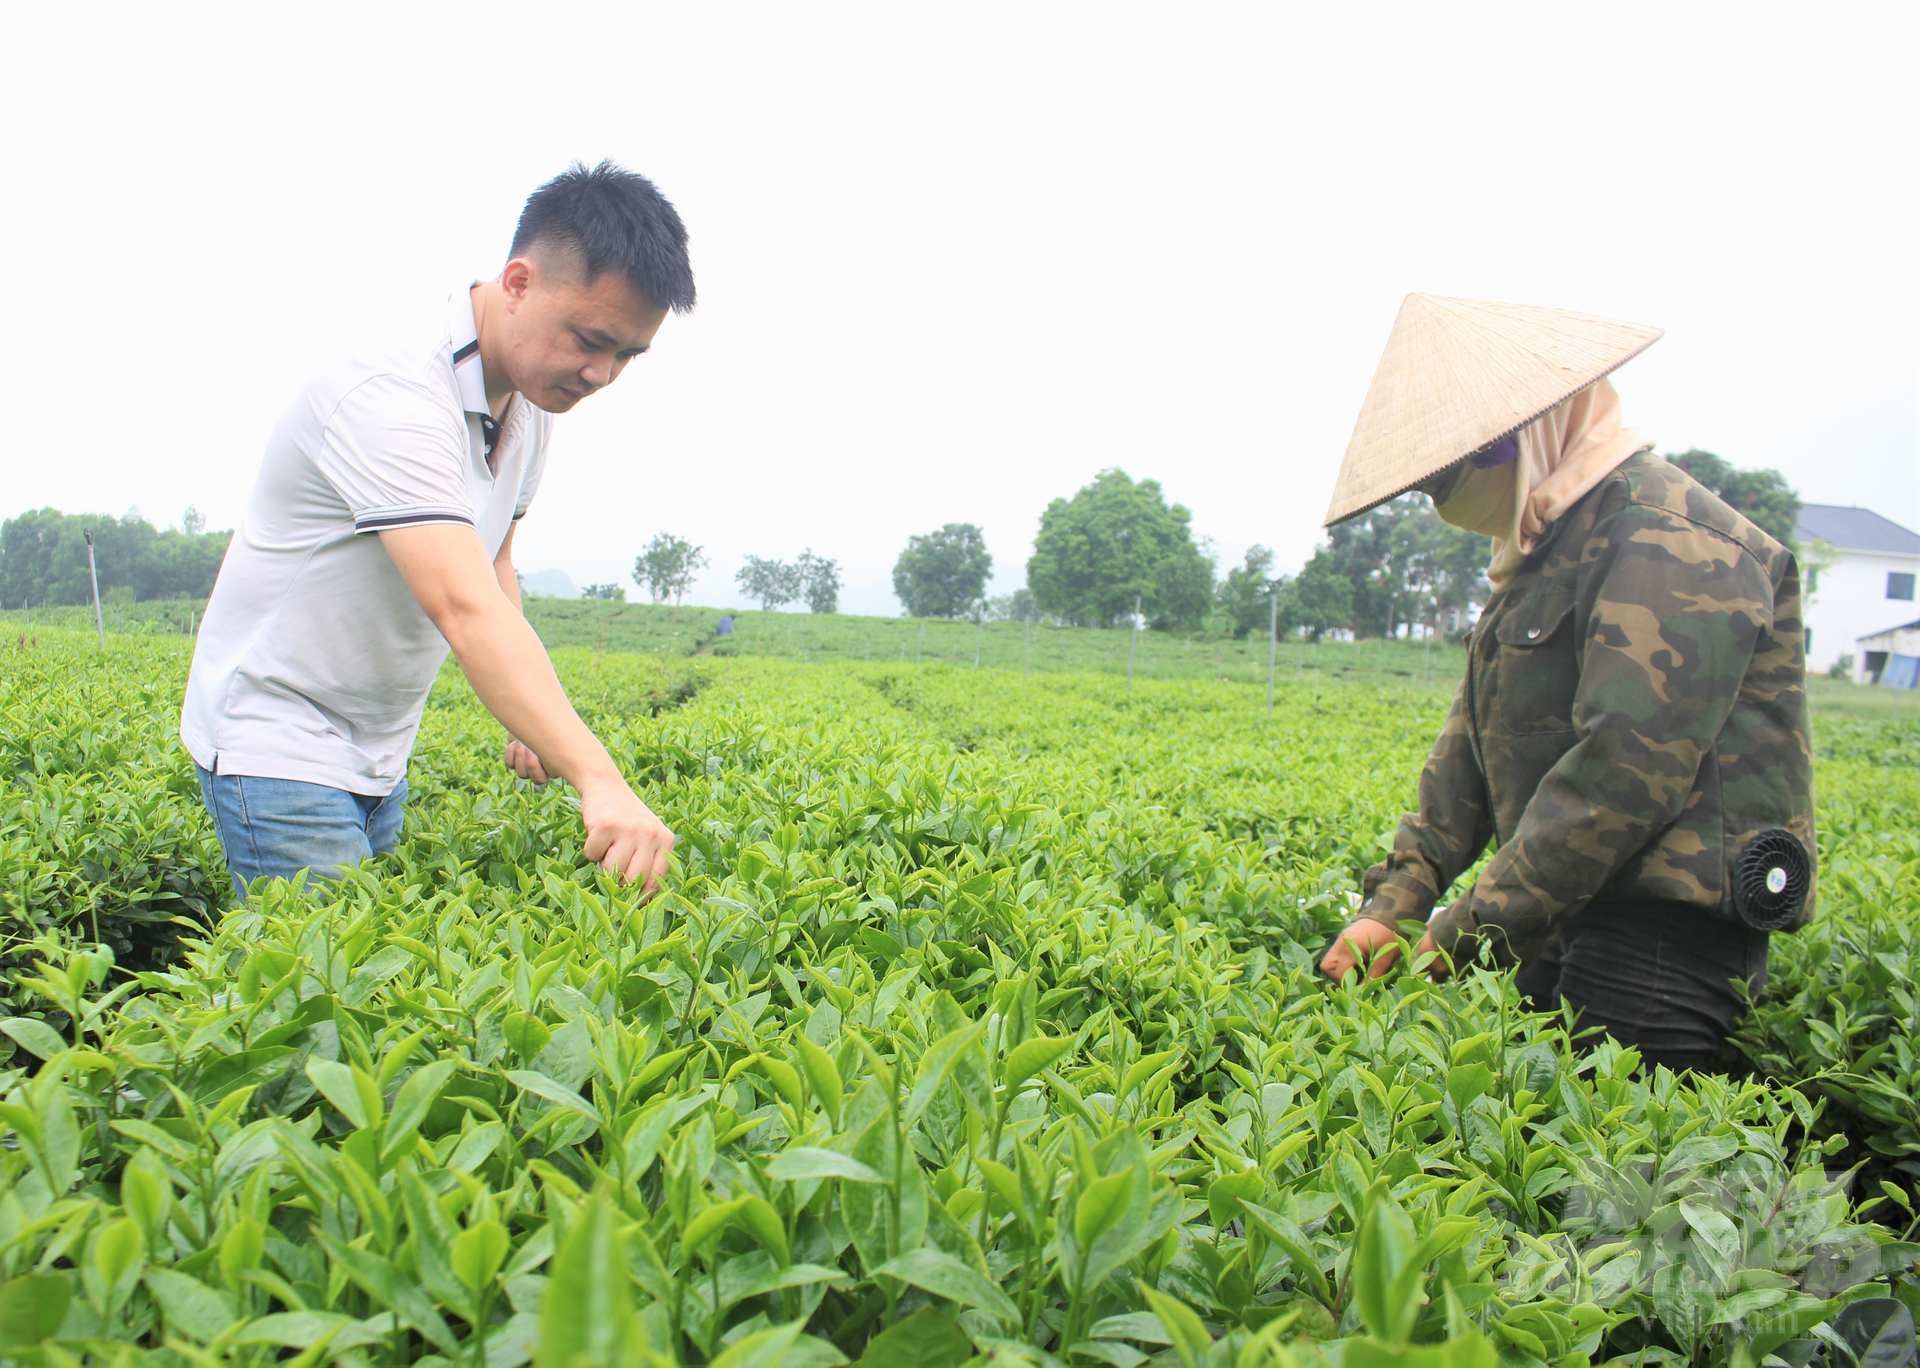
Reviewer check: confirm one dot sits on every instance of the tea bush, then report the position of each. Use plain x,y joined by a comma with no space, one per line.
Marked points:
979,1019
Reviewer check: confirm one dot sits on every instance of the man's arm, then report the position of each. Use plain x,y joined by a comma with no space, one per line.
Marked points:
447,569
520,758
503,570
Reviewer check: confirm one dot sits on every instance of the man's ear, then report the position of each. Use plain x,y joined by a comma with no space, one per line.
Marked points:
518,279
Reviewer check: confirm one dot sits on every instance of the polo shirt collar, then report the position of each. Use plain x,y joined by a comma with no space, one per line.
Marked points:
464,333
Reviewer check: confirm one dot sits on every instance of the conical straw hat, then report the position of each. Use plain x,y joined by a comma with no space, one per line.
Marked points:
1459,374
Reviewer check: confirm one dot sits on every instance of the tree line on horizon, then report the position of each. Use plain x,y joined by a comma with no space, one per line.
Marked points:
43,558
1117,546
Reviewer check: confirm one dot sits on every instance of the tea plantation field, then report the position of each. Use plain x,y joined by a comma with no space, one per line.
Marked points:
978,1022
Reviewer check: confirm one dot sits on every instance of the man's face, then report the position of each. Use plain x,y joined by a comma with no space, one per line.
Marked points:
567,337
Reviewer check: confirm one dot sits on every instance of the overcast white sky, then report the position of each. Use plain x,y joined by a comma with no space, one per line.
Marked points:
954,259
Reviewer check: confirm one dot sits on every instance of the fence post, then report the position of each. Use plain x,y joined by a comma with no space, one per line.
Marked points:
1273,644
93,570
1133,641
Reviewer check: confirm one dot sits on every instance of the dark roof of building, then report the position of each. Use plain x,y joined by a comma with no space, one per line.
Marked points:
1889,631
1855,529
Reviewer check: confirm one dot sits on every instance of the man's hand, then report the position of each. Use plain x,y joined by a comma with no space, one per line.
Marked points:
624,837
1371,941
526,764
474,603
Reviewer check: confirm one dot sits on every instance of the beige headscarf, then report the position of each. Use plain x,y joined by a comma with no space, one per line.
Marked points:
1564,453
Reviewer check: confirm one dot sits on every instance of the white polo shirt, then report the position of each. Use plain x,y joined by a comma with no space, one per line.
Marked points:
314,660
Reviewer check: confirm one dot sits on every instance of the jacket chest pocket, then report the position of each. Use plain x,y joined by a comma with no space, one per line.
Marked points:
1536,666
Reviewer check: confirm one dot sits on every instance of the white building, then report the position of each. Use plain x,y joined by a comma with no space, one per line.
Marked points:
1867,591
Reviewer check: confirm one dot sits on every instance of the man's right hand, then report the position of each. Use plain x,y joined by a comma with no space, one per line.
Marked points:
466,596
624,837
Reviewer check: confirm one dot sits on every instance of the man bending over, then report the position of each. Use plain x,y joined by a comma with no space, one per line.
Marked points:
380,534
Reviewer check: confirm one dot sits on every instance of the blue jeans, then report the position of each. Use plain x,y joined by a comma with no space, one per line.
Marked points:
278,827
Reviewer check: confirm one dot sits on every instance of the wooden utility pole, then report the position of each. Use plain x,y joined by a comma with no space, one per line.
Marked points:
99,622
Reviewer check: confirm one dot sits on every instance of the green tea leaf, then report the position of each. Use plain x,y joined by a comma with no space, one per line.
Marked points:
1032,1057
935,1065
804,1161
1183,1328
588,1314
32,1308
762,1349
340,1084
758,1218
34,1035
708,1224
1386,1276
822,1076
945,1276
926,1339
1224,1194
1101,1206
477,1253
193,1309
410,1105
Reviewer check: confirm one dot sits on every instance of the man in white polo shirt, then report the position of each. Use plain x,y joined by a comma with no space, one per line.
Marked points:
380,534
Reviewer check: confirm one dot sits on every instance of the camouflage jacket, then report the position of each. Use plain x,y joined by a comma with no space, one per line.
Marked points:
1634,711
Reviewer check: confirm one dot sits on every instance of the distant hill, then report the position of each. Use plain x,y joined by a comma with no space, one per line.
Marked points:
550,584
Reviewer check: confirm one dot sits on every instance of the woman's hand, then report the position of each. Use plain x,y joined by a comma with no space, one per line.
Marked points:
1374,943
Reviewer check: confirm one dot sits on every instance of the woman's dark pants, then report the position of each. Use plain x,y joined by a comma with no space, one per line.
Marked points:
1656,976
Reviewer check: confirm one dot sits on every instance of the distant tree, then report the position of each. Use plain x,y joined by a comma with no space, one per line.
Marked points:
1115,542
43,558
819,582
1360,551
1816,558
772,582
1406,565
1319,598
193,522
1437,569
1763,496
667,567
603,591
1015,607
943,574
1245,596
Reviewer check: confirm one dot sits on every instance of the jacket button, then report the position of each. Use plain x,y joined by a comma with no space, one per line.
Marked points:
1532,632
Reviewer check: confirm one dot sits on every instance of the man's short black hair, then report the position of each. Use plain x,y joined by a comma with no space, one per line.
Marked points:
612,220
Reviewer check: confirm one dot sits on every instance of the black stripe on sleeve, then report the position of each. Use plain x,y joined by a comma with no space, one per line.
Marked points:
408,520
466,351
